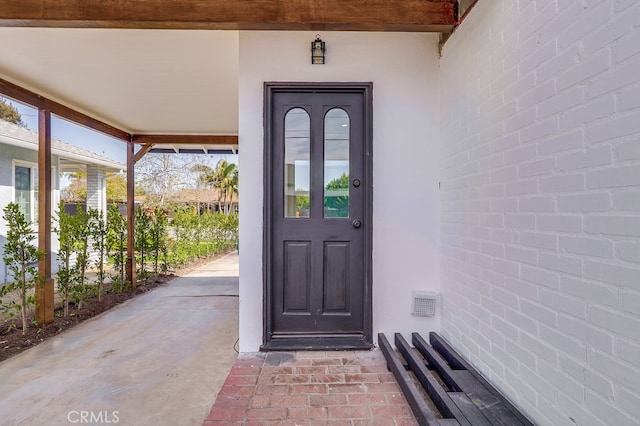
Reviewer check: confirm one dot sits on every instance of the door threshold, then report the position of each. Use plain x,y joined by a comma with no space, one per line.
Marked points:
294,343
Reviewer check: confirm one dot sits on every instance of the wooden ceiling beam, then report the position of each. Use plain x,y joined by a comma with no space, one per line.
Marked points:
316,15
186,139
35,100
142,152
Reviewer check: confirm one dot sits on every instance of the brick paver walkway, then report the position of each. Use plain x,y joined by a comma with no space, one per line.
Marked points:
311,388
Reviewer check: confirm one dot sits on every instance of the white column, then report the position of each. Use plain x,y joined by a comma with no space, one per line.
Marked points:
96,188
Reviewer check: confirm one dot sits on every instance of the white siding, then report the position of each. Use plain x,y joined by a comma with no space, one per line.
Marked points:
9,154
541,204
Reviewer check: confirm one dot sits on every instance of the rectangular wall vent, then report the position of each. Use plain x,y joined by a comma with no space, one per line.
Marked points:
423,303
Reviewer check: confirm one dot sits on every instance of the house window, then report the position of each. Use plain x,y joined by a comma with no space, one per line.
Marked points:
26,190
25,186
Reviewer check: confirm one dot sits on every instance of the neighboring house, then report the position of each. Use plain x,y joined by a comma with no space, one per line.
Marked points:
19,175
207,199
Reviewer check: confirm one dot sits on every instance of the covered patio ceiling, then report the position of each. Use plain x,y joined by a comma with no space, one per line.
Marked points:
143,82
164,72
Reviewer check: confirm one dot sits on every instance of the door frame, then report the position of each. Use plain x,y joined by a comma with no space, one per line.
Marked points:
317,343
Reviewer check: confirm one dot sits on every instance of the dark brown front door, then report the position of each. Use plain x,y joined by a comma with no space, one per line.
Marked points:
318,217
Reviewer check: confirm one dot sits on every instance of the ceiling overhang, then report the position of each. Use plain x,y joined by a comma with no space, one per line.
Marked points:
352,15
186,144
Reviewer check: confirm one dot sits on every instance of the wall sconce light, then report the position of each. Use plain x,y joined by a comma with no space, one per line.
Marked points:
317,50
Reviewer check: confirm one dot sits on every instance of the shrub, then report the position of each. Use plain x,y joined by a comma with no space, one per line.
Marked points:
117,245
20,256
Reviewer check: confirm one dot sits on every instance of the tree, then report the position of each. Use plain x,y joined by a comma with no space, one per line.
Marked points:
77,189
98,230
116,188
20,256
159,223
117,242
336,203
81,247
303,203
161,174
10,113
142,232
230,185
201,170
224,178
67,276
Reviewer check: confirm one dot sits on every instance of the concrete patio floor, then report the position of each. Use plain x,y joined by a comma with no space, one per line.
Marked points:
158,359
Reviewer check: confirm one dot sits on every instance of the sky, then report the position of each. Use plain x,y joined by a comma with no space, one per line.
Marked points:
75,135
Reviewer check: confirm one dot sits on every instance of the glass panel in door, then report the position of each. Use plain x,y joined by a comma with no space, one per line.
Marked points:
297,155
336,164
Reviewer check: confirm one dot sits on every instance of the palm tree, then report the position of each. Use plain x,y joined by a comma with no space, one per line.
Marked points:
230,186
224,178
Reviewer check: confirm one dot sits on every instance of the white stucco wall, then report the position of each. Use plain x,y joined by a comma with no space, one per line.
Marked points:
403,69
541,204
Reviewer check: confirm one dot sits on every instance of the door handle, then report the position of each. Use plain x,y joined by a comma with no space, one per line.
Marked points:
356,223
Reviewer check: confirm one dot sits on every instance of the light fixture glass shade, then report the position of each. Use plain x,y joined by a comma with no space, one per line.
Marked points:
317,50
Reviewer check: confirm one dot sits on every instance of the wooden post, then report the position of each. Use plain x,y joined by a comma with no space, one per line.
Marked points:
131,257
45,286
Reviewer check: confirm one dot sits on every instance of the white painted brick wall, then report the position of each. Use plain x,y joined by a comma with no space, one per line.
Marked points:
540,107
